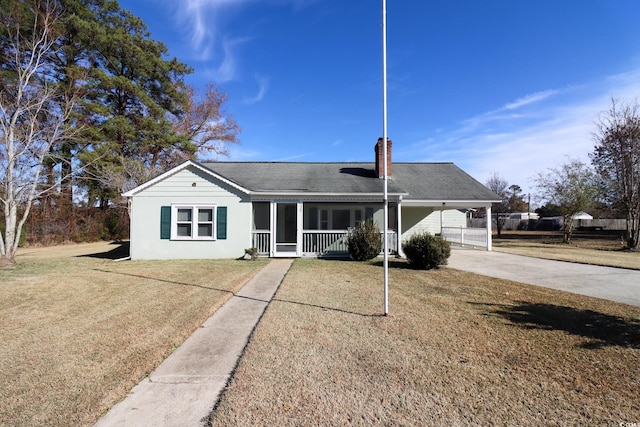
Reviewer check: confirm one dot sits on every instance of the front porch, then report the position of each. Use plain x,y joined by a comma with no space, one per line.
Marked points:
294,228
314,228
317,243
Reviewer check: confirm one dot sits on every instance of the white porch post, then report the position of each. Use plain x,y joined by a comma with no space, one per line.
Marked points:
399,227
300,228
489,243
273,227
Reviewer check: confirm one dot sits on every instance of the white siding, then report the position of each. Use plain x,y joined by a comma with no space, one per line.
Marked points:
421,219
180,189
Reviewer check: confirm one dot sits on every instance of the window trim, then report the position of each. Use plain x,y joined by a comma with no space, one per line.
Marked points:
325,220
195,208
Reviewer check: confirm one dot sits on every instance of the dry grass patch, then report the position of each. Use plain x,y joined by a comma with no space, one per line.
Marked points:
606,250
458,348
80,331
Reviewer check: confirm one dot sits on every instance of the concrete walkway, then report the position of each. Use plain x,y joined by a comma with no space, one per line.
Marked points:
184,388
615,284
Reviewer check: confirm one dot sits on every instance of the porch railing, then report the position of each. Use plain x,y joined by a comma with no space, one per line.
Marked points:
328,243
261,240
392,242
324,243
318,242
465,236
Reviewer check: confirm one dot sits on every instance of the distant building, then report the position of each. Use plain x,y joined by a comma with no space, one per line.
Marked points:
524,215
582,215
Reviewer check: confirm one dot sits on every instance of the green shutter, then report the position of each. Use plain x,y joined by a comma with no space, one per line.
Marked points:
221,223
165,222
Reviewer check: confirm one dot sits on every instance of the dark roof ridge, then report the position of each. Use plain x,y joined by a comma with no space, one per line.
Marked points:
277,161
320,163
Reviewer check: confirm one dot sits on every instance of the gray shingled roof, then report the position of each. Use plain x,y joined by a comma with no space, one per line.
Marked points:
439,181
415,181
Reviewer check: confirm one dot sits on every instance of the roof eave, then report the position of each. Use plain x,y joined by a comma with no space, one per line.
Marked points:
179,168
449,203
307,194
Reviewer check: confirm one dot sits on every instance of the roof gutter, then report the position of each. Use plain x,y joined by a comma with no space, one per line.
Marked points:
446,204
322,197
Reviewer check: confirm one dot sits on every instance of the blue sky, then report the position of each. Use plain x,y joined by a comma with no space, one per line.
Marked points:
506,86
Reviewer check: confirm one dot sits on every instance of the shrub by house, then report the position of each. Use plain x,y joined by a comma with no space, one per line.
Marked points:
364,241
425,251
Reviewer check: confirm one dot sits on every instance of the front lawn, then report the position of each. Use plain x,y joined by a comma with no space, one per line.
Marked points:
457,349
79,330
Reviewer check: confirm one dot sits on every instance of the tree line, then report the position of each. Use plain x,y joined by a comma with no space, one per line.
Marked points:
610,184
90,107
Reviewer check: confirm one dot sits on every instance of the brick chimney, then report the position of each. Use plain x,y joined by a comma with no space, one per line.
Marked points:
380,157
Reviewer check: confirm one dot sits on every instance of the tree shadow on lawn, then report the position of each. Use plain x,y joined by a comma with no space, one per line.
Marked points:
397,263
599,329
160,280
326,308
120,250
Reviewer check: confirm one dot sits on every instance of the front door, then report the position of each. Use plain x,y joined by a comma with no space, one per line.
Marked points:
286,229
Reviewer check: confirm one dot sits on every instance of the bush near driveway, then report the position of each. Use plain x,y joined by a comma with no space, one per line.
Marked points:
426,251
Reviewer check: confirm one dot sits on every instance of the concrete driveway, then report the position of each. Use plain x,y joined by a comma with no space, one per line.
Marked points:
614,284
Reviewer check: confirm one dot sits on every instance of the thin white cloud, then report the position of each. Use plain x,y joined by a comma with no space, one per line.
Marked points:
508,111
228,68
294,157
547,127
530,99
203,21
202,18
239,154
263,86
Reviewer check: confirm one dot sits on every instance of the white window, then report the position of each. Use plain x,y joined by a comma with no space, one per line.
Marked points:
335,217
341,219
193,222
324,219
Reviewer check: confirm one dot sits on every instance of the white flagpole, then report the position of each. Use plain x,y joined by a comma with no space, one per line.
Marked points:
384,157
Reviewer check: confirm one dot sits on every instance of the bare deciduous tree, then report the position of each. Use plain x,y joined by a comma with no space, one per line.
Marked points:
208,127
500,186
616,158
32,115
571,187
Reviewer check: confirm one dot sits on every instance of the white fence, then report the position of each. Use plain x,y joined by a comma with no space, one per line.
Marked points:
552,223
465,236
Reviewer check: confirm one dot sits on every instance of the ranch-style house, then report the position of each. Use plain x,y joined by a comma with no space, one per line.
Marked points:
285,209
